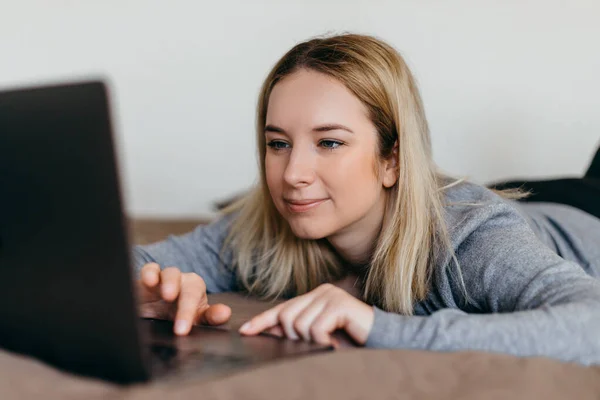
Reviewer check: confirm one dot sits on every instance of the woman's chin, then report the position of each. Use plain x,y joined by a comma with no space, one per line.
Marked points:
303,231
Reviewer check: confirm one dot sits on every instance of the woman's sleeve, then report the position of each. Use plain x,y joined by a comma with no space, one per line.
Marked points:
197,251
529,301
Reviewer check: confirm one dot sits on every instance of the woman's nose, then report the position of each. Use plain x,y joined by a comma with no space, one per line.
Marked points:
300,168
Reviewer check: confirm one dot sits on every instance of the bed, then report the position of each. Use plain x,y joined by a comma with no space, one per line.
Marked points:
348,373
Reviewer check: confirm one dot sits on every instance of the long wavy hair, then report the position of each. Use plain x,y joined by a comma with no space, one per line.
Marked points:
272,262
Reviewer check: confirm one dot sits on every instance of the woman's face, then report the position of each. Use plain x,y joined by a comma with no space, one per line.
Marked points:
321,157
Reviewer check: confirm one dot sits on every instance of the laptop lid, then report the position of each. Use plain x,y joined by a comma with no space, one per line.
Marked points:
63,244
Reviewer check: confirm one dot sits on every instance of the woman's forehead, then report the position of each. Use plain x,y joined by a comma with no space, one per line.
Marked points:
314,98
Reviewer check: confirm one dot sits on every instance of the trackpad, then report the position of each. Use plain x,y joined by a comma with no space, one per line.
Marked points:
221,341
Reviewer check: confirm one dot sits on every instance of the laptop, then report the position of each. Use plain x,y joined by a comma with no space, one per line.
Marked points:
67,284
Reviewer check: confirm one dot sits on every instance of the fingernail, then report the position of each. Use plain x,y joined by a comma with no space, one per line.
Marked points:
245,327
181,326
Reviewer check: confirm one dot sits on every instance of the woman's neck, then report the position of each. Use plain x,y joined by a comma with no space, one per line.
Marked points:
356,243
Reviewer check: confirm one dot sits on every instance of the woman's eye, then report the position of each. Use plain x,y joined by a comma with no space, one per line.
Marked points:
330,144
277,145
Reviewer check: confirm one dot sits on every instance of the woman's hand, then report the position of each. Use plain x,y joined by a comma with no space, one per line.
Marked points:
169,294
315,316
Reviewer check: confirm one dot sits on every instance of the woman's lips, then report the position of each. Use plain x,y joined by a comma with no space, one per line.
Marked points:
298,206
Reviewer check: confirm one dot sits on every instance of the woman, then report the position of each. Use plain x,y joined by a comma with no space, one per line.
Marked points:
354,224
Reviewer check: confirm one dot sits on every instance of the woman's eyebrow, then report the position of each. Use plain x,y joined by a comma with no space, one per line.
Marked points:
273,128
320,128
331,127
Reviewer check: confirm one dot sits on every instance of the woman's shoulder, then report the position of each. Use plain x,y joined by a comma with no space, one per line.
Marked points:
469,205
465,192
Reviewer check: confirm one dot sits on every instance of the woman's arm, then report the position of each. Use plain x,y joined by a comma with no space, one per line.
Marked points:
534,303
198,251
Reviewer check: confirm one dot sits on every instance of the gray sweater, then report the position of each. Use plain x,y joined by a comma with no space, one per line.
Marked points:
528,269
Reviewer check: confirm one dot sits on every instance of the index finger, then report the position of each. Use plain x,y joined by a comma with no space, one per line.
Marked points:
262,321
192,300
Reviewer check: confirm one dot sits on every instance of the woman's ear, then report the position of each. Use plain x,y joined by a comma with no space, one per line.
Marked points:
390,168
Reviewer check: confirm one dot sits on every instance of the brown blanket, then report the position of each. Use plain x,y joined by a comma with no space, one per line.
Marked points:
349,373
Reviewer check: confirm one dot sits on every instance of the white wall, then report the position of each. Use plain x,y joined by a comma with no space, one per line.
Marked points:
511,87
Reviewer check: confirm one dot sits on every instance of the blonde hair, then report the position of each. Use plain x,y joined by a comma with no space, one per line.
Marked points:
272,262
